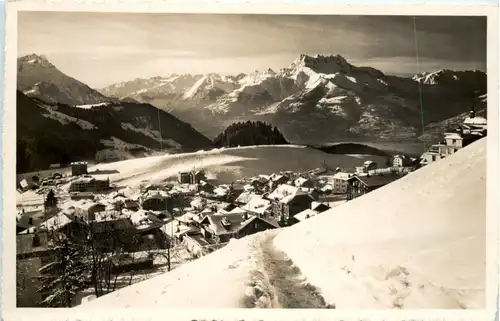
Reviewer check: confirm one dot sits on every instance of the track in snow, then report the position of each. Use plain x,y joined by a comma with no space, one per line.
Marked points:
278,283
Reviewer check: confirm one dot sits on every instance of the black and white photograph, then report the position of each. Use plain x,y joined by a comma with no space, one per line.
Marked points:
253,161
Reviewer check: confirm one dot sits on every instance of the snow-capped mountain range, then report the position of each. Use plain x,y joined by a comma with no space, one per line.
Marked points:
318,97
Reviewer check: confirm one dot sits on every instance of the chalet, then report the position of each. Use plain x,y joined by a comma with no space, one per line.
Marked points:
370,165
401,161
257,205
75,229
236,189
28,220
290,205
157,201
475,122
340,182
131,205
79,168
113,233
206,187
89,184
184,178
222,228
197,177
359,185
304,182
87,210
260,182
282,191
361,170
276,180
23,185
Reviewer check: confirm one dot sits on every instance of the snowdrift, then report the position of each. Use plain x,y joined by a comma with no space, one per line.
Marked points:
416,243
419,242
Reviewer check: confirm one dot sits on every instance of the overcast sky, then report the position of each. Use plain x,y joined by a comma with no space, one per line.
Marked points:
103,48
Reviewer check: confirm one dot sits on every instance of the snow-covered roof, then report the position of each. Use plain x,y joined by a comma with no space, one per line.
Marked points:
283,190
287,199
257,204
305,214
56,222
478,120
301,181
342,176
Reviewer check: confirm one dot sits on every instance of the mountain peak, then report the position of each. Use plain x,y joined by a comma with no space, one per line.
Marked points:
323,64
35,59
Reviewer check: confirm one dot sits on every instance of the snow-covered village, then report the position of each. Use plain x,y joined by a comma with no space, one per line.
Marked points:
335,182
159,224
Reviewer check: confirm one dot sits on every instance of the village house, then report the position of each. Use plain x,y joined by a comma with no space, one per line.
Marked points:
304,183
401,161
290,205
27,220
370,165
224,227
316,208
197,177
257,205
184,178
157,201
113,233
89,184
360,185
32,254
131,205
206,187
87,210
276,180
340,182
79,168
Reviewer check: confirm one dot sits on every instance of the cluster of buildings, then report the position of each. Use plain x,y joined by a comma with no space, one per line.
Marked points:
191,212
471,129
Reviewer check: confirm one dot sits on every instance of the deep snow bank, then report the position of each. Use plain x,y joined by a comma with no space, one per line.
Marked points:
416,243
218,280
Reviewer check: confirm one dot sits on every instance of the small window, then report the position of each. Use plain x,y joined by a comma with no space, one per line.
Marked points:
30,221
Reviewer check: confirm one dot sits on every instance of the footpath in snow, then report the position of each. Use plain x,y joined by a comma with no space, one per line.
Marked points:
278,283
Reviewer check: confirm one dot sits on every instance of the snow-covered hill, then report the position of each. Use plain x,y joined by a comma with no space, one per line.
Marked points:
38,78
228,165
319,99
387,249
57,133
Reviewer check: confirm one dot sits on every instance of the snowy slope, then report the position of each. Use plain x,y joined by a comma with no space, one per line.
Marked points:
386,249
416,243
229,164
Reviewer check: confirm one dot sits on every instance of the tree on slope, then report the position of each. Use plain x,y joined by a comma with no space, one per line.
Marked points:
51,200
67,274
